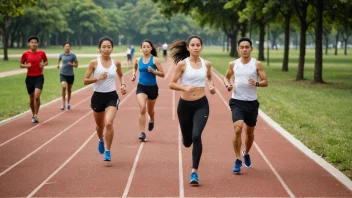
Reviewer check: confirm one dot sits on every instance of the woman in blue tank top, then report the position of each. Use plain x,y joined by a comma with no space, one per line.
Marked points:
147,89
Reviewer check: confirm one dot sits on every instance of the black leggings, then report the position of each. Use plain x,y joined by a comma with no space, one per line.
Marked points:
193,115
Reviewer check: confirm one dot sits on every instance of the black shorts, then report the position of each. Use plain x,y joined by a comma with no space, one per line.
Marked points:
244,110
164,52
68,79
129,56
34,82
100,101
151,91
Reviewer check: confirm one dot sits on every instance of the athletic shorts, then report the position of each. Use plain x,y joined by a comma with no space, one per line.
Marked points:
34,82
244,110
100,101
164,52
151,91
68,79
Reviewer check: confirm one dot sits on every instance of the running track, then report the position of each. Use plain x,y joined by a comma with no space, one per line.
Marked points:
58,157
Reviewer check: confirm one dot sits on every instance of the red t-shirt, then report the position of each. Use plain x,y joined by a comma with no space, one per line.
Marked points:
34,58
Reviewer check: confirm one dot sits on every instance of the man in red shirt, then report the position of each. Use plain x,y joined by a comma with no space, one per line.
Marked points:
34,60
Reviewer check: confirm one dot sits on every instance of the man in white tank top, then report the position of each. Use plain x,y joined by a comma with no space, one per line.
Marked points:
243,103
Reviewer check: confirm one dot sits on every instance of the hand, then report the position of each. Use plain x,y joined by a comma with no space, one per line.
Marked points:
58,66
188,88
150,69
123,89
41,65
102,76
69,63
212,89
251,81
133,78
229,88
29,65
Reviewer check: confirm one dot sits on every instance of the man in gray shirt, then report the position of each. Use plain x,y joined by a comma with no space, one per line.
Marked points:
67,77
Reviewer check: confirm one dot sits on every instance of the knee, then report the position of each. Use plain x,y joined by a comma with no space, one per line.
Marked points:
143,110
238,130
108,125
197,139
63,84
99,128
37,97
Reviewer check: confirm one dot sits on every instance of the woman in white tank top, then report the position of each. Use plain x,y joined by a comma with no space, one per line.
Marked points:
193,106
105,99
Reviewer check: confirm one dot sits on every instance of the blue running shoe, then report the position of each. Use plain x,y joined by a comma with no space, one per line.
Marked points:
150,126
68,106
247,159
107,156
237,168
194,178
101,147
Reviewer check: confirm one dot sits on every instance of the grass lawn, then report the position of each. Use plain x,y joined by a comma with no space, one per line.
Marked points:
14,96
316,114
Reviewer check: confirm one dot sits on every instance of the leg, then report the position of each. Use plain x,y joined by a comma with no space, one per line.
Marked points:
99,118
31,103
185,117
236,139
249,138
69,91
37,93
110,113
63,92
150,108
142,100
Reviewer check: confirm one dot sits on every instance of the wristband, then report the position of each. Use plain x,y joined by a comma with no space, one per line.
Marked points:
257,84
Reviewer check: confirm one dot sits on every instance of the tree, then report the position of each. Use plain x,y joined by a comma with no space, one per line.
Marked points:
9,9
318,68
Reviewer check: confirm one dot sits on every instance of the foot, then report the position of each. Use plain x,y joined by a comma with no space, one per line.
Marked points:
194,178
62,107
35,119
68,106
151,125
247,159
237,168
143,137
101,147
107,156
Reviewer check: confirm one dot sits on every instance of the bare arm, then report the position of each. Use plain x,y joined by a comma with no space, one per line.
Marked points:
25,65
228,75
134,70
58,62
74,64
209,78
120,75
91,67
159,72
262,75
179,69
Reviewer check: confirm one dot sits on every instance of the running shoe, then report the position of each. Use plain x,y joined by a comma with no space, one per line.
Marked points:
62,107
68,106
194,178
237,168
143,137
101,147
247,159
107,156
151,126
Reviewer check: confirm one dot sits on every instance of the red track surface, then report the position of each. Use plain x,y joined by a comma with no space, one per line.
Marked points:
58,157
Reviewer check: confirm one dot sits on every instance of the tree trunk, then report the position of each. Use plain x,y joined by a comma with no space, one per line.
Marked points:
318,68
261,41
345,41
336,42
302,52
228,44
326,44
287,43
234,52
5,37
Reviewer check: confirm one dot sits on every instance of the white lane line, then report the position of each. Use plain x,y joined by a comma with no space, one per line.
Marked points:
72,156
133,170
180,168
284,185
8,120
36,150
62,165
40,124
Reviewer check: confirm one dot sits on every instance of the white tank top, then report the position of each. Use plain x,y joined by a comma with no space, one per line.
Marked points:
242,90
194,77
108,84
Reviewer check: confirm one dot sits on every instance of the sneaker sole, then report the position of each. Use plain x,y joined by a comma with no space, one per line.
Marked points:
237,173
143,140
107,160
194,182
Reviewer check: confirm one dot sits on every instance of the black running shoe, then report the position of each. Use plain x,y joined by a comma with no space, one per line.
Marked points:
150,126
143,137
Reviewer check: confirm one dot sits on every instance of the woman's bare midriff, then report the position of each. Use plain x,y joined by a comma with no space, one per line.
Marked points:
196,94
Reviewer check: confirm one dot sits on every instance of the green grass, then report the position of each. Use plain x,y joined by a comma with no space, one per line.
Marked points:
14,96
319,115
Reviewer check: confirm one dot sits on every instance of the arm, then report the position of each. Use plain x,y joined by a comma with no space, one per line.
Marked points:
134,70
45,61
75,62
89,72
58,62
228,75
262,75
209,79
23,63
120,75
159,71
179,69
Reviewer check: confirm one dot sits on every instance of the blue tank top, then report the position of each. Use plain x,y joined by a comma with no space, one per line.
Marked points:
145,77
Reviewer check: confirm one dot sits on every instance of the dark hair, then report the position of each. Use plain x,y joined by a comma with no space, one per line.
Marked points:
244,39
33,37
63,45
153,52
105,38
179,48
